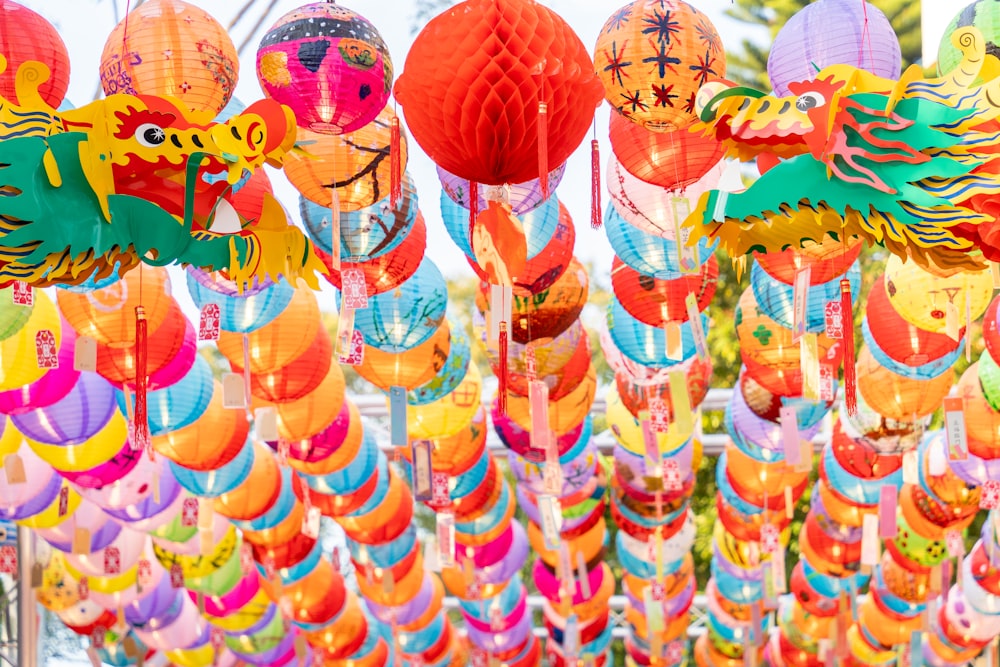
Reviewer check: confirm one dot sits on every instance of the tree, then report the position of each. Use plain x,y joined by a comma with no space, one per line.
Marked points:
748,63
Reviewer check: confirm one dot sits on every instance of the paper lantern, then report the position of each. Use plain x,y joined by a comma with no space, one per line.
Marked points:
278,344
27,36
171,343
671,160
248,199
297,378
523,197
895,396
174,49
108,314
407,316
902,341
303,418
923,299
826,261
356,164
647,253
239,311
652,58
450,414
645,344
656,302
213,440
409,368
776,299
833,32
386,272
480,120
539,224
368,232
20,352
449,371
329,64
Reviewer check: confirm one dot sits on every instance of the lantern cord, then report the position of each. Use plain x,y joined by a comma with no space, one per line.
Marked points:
866,38
543,148
502,370
473,208
595,184
140,421
395,163
850,371
256,26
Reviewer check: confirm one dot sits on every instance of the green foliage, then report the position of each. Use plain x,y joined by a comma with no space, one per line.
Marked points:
747,64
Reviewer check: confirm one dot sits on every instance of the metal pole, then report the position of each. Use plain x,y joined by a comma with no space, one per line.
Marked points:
27,609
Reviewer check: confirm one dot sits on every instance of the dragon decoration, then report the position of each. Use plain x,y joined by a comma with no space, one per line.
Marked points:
90,192
912,165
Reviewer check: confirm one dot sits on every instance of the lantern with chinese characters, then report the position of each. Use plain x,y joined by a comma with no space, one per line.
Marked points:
652,56
171,48
329,64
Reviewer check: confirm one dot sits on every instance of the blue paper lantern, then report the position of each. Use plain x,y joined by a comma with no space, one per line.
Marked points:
645,344
400,319
646,253
540,224
777,299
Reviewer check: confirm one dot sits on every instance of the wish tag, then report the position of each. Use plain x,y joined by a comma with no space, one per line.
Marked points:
911,467
530,362
680,401
551,515
420,451
952,321
869,540
833,317
354,292
552,479
46,350
651,444
954,543
97,637
83,589
234,395
265,423
697,331
8,560
672,475
770,538
674,340
687,254
800,302
208,322
144,573
176,576
189,512
790,439
355,349
778,575
538,407
446,539
582,575
247,564
809,363
659,415
81,541
658,591
827,382
22,293
85,354
112,560
654,613
887,502
571,637
674,653
311,522
13,468
954,429
440,489
206,514
989,497
398,436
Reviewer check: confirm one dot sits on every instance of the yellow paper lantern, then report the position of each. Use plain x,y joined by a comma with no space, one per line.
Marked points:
924,299
171,48
451,413
18,355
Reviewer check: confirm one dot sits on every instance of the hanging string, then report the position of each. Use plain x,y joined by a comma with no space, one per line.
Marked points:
595,180
866,38
395,161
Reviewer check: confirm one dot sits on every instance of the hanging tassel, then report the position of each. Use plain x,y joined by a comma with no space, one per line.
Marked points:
850,372
543,148
395,164
502,371
140,421
473,207
595,184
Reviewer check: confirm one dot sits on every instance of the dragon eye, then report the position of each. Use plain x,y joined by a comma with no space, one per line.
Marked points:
150,135
808,101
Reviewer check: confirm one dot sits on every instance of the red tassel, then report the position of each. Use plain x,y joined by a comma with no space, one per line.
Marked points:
502,371
595,184
850,372
140,421
395,164
543,148
473,207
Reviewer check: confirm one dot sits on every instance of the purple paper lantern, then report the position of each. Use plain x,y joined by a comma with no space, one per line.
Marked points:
833,32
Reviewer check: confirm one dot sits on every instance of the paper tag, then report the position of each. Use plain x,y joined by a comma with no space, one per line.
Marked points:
112,560
206,514
800,302
552,478
674,341
206,543
530,362
680,400
355,349
422,470
770,538
651,444
654,612
265,422
345,331
81,541
869,540
952,321
565,570
954,543
989,497
551,515
234,395
22,293
208,322
354,292
311,522
833,315
790,439
778,575
440,489
144,573
789,503
8,560
674,653
538,407
13,468
672,475
46,350
659,415
246,559
83,589
809,362
189,512
954,428
687,254
571,637
97,638
583,576
694,318
446,539
501,302
85,354
995,271
887,502
911,467
827,382
176,576
397,417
